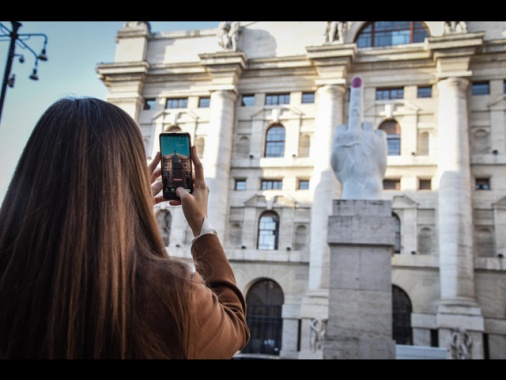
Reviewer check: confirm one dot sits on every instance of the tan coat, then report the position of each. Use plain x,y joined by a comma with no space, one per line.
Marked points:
215,324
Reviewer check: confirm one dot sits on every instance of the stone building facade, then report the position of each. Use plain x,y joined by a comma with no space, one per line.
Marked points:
261,101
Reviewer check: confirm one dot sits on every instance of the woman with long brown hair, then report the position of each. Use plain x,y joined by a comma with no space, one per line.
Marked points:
84,273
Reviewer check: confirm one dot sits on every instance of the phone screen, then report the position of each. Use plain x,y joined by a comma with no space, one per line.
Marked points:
176,163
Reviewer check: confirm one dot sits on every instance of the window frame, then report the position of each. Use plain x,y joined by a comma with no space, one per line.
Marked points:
206,100
303,180
377,34
149,104
482,183
277,99
247,100
261,245
393,139
271,184
274,144
241,181
179,103
389,93
480,88
304,98
422,182
421,92
395,181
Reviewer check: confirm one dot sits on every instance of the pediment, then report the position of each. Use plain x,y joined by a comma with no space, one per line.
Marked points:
277,201
403,201
499,101
500,204
256,201
283,201
277,114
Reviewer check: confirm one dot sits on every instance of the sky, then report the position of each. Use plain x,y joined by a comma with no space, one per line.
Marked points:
74,49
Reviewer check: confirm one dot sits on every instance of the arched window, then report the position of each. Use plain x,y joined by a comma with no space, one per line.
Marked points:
275,141
164,219
397,246
393,131
304,146
391,33
264,301
401,317
268,231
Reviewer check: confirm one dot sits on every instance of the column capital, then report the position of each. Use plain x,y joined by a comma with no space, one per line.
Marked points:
332,61
457,82
331,85
225,92
225,67
452,53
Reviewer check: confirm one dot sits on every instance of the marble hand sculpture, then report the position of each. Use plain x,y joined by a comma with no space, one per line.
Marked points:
359,153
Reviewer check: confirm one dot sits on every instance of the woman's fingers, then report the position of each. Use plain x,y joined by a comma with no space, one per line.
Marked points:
156,184
198,180
154,169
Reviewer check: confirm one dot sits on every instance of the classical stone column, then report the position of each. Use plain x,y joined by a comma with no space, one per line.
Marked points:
225,69
458,307
217,155
325,189
323,182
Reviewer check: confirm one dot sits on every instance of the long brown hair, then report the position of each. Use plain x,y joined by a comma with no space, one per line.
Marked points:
76,226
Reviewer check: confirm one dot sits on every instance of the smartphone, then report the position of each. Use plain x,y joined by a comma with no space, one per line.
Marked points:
176,163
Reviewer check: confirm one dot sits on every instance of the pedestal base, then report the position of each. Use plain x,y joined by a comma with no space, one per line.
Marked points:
361,236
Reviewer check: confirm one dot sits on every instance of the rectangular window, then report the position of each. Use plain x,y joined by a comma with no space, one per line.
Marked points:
390,93
391,184
240,184
424,92
277,99
307,97
271,184
482,184
177,103
149,104
504,87
424,184
303,184
394,145
434,338
248,100
204,102
481,88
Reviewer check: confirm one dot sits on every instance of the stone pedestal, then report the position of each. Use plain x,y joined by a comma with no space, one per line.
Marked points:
361,236
461,327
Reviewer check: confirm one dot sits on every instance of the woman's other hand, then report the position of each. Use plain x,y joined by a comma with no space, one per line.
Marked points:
156,180
195,204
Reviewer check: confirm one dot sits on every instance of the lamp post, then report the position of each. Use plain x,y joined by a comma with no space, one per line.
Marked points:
16,38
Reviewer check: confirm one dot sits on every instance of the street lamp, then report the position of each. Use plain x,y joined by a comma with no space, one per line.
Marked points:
18,39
